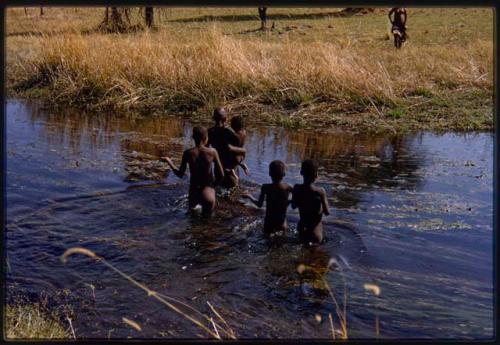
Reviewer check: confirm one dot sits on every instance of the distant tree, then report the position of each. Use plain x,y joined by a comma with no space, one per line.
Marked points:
263,17
113,22
116,17
106,15
149,16
126,12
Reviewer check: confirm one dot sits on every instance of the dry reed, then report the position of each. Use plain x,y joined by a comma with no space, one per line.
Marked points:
157,71
132,324
160,297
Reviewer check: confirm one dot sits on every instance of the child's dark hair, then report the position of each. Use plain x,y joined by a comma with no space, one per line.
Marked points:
309,169
277,170
199,133
220,114
237,123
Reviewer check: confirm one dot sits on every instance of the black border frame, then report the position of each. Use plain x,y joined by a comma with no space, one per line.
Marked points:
271,3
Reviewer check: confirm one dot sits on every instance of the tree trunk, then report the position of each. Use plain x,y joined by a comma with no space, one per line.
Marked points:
116,17
25,11
126,12
149,15
113,21
41,10
263,17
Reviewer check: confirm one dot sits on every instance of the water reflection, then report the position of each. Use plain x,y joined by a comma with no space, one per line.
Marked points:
410,213
350,162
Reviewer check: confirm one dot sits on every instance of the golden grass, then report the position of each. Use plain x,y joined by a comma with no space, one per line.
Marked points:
154,69
287,79
132,324
32,322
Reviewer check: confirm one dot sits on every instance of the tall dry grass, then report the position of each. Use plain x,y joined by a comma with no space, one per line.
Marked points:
156,70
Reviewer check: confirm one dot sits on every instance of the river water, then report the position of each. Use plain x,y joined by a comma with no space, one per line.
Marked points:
411,214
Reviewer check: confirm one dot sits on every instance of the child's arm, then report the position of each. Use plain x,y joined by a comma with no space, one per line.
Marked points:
218,164
324,203
258,202
182,169
244,167
237,150
209,141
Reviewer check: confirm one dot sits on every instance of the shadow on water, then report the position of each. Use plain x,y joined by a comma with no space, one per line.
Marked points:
410,213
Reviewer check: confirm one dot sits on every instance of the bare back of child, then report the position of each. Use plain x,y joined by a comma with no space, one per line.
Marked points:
312,204
200,160
221,138
276,196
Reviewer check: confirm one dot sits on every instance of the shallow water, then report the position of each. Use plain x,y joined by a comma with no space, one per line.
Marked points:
411,214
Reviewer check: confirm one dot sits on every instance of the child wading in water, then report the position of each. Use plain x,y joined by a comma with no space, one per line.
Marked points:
276,196
220,137
312,203
241,134
200,160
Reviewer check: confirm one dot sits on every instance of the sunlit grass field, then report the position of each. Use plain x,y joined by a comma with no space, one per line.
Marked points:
316,68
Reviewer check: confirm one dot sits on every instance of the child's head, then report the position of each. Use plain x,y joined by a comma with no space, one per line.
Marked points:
200,135
220,115
309,170
277,170
237,123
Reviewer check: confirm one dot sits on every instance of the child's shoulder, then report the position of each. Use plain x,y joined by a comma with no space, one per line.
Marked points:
281,186
212,150
188,153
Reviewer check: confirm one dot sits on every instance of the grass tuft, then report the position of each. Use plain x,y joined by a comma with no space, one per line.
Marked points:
396,113
32,321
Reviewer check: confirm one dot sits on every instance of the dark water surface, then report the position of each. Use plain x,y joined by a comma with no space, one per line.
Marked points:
411,214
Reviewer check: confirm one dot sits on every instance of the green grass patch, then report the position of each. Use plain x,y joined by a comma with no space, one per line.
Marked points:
32,321
396,113
422,92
